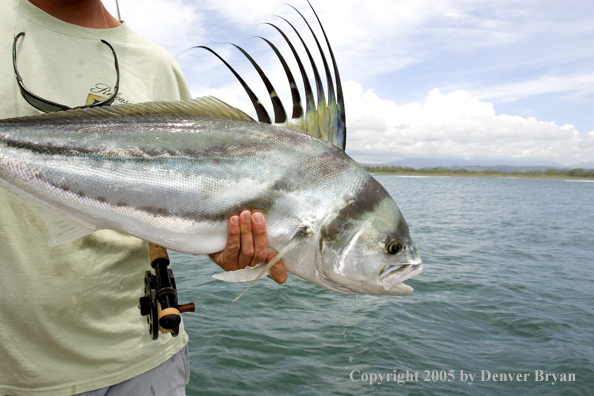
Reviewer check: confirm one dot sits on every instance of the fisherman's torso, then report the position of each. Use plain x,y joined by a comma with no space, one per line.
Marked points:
69,316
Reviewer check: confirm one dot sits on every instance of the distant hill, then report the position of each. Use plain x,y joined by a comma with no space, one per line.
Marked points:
506,168
479,165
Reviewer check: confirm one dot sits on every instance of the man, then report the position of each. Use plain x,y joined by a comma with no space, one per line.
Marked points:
69,322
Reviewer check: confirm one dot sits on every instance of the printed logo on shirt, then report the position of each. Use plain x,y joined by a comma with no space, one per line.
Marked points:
92,99
102,91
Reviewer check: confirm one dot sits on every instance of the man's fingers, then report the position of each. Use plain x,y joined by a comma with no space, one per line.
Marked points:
260,238
247,245
227,259
246,252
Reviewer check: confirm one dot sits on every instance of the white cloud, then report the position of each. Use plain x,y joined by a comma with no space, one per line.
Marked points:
582,83
454,126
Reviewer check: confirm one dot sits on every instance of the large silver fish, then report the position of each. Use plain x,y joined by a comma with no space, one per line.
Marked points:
173,174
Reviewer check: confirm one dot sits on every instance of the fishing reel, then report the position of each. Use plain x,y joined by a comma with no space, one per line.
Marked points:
159,303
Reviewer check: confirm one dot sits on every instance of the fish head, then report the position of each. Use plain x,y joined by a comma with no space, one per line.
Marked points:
366,247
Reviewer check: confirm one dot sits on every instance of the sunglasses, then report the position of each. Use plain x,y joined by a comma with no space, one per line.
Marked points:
48,106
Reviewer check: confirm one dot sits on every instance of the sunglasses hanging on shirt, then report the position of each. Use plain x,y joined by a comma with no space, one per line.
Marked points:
48,106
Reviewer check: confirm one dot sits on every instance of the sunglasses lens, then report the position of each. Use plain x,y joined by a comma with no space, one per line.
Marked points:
40,103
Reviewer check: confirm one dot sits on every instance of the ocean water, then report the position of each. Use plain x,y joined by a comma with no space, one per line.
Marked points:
508,288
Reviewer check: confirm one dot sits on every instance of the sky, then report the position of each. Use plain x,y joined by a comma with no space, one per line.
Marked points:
503,81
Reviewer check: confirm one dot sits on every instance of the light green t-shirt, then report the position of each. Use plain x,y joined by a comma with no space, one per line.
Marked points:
69,321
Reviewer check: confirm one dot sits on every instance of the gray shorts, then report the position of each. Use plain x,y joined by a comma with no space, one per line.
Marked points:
168,379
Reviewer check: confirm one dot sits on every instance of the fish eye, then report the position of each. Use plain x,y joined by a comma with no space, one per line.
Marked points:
394,247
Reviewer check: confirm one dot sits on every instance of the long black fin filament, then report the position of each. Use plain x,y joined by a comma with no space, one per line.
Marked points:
260,110
329,115
321,106
323,120
341,119
297,108
280,115
311,124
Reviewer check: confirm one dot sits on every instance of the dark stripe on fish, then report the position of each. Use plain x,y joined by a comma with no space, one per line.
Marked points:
243,150
367,198
220,149
44,149
262,203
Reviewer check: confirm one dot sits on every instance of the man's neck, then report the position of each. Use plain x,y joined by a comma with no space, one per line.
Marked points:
85,13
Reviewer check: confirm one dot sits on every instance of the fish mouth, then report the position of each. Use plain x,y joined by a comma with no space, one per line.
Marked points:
393,276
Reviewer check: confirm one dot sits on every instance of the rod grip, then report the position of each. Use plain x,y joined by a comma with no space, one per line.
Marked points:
157,252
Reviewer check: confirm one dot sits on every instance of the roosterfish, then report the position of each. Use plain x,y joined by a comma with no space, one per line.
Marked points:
172,173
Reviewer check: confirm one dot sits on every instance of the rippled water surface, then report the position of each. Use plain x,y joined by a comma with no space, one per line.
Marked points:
508,287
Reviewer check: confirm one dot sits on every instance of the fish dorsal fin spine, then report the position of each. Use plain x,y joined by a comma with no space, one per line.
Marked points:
322,120
207,106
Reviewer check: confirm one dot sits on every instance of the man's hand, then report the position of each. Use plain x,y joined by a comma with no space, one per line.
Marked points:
247,245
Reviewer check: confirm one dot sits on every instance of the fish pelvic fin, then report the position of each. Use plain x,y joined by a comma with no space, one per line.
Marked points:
301,235
324,118
243,275
207,106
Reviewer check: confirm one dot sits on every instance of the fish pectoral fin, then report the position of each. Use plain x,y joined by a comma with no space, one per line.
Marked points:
300,236
61,228
243,275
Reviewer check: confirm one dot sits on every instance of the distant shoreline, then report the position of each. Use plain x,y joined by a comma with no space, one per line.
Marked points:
573,174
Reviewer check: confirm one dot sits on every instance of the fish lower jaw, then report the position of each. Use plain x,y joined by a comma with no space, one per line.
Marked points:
398,287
